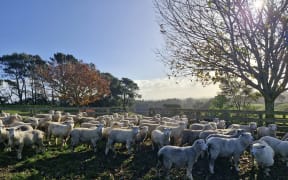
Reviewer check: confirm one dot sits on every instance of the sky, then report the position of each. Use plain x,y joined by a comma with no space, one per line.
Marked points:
119,37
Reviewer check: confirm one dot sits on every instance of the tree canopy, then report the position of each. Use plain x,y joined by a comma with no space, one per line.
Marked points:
212,39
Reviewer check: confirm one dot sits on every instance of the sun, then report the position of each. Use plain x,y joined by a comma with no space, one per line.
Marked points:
258,4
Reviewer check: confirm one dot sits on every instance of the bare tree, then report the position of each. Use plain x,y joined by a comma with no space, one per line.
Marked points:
209,38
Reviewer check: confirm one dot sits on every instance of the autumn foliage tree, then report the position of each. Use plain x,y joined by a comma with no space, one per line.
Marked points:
75,82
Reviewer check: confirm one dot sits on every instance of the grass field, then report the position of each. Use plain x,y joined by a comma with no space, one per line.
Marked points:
57,163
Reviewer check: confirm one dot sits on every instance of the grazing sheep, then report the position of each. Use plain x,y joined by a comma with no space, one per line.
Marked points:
19,139
280,147
121,136
141,136
60,130
160,138
263,154
84,135
180,157
267,131
223,147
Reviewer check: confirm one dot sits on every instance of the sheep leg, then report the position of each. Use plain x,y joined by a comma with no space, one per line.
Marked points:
94,144
19,151
236,160
189,171
107,148
128,146
211,165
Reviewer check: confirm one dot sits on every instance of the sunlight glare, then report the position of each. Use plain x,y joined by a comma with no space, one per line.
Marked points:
258,4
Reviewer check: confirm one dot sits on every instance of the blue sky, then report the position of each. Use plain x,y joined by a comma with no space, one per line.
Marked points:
118,36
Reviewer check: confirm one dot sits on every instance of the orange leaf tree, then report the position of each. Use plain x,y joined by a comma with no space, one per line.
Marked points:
75,82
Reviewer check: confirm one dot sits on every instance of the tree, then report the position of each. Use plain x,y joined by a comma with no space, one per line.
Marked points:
128,90
17,71
239,94
209,38
219,102
75,82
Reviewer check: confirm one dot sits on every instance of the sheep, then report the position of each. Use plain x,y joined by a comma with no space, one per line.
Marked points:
236,134
57,117
206,133
221,124
84,135
263,154
199,126
267,131
285,137
180,157
11,119
60,130
4,137
19,139
223,147
33,121
251,127
176,132
280,147
189,136
121,136
151,127
160,138
141,136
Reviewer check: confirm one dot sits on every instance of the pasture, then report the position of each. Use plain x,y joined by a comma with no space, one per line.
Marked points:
61,163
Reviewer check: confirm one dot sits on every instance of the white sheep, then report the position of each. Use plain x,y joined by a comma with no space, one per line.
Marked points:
263,154
84,135
169,156
160,138
280,147
224,147
141,136
176,132
60,130
237,133
121,136
251,127
267,131
19,139
199,126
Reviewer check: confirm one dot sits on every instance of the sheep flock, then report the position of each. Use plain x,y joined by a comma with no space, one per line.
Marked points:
175,142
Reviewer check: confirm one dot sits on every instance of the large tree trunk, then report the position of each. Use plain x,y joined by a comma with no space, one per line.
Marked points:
269,106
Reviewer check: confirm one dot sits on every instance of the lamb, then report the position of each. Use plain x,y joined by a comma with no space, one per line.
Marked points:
160,138
280,147
263,154
84,135
141,136
180,157
60,130
19,139
121,136
267,131
223,147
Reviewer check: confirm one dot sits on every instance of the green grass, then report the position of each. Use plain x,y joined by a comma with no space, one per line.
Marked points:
85,164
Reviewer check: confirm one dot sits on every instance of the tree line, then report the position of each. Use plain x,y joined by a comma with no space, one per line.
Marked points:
61,80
